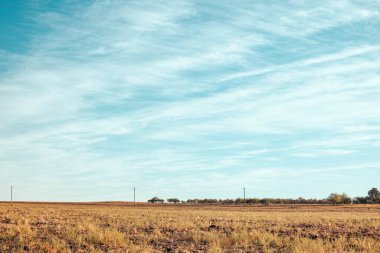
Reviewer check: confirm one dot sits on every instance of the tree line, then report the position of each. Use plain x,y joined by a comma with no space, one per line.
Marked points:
373,197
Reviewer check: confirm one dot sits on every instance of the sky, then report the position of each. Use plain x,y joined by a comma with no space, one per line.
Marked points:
188,99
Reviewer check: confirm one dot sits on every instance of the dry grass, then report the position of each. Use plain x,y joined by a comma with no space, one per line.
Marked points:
118,227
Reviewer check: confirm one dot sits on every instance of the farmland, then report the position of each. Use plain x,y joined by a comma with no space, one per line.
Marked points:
124,227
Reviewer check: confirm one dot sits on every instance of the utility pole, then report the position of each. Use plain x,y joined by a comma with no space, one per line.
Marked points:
11,194
244,194
134,195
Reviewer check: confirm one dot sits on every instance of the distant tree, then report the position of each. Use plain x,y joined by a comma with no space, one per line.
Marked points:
336,198
265,202
173,200
346,199
252,201
156,200
374,196
227,201
239,201
361,200
301,200
208,201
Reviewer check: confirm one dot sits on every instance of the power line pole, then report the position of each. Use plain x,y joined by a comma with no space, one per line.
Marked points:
244,194
134,195
11,194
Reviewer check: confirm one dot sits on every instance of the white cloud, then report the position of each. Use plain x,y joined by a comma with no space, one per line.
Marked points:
164,94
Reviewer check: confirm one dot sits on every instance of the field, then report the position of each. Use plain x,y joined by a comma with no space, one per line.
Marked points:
123,227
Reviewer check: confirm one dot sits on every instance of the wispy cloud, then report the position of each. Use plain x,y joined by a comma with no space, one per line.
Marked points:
190,95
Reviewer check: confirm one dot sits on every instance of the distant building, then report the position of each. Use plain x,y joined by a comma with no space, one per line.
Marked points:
156,200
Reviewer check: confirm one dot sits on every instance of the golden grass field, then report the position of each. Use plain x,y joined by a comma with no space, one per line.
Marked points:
122,227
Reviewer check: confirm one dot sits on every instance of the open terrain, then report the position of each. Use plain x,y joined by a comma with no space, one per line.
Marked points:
123,227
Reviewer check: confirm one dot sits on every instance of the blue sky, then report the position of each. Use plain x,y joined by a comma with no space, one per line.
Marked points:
188,99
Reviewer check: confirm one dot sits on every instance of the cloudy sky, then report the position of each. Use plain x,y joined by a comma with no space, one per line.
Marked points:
188,99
